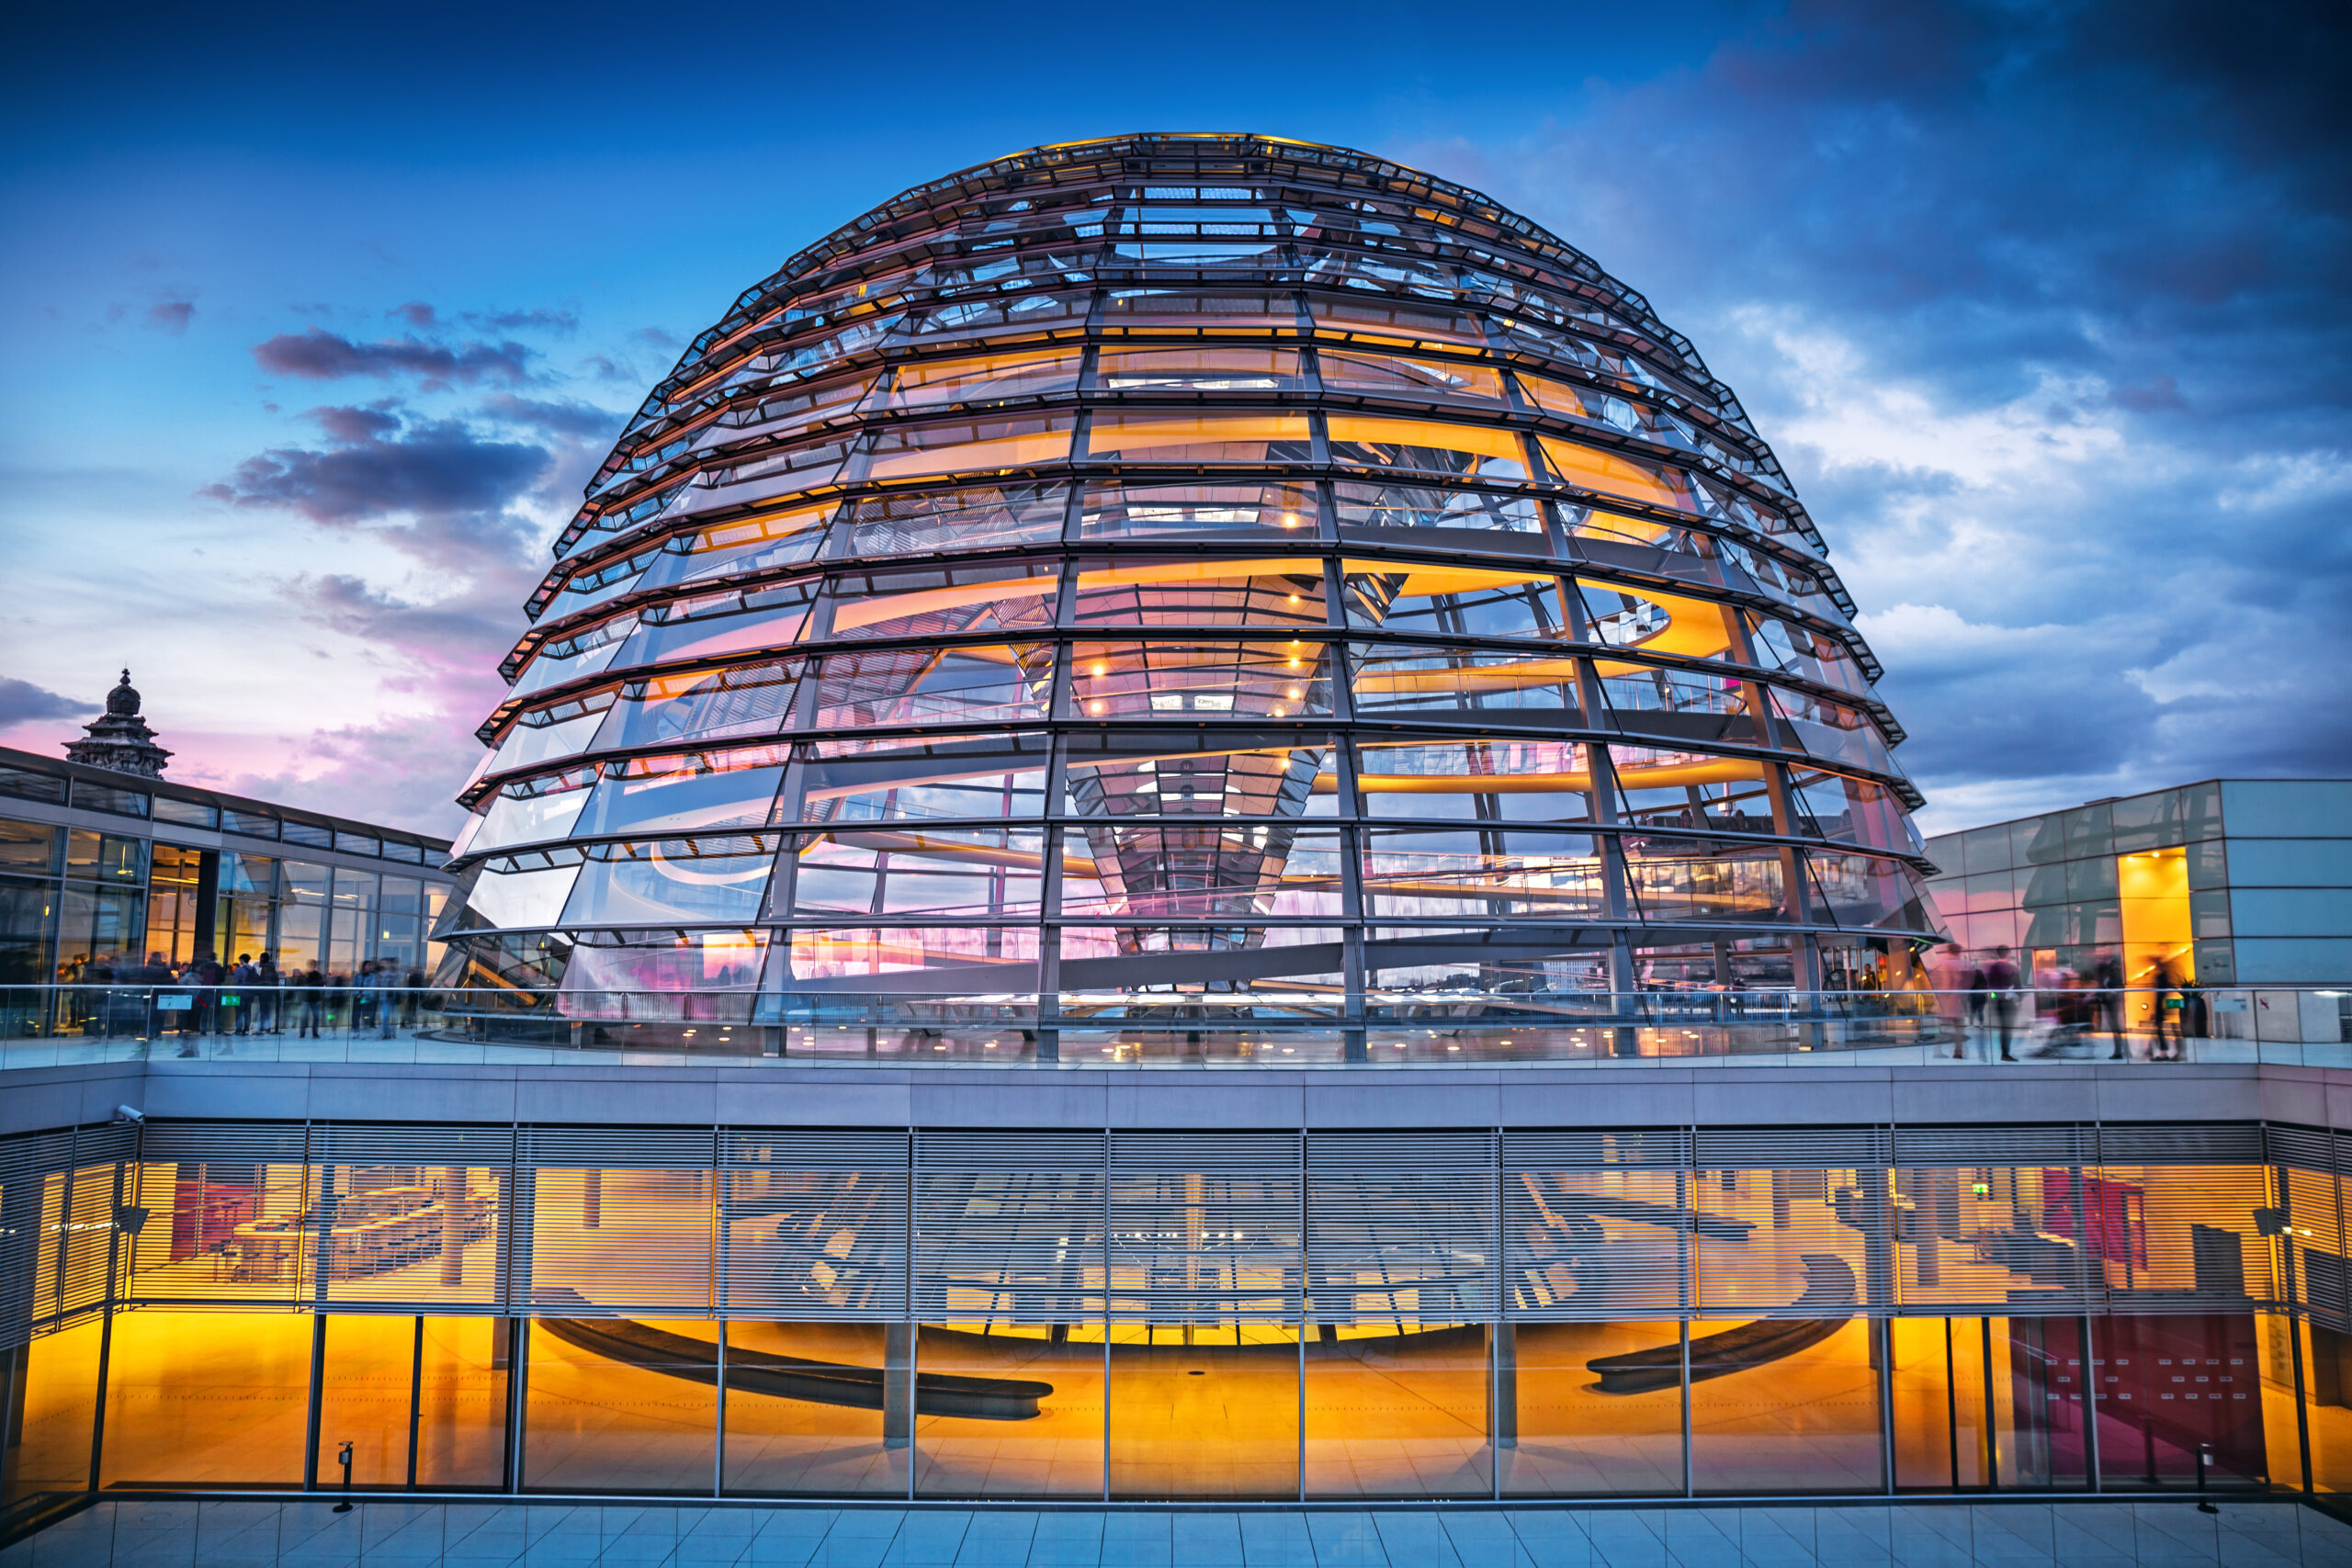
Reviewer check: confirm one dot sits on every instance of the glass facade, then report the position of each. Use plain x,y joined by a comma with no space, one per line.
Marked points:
87,906
1186,582
2230,883
1221,1315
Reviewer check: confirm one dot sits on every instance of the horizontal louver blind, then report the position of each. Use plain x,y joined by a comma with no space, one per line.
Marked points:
2175,1218
1793,1221
226,1210
814,1224
1984,1220
1400,1229
2305,1148
31,1237
1595,1226
1009,1227
618,1219
408,1217
1204,1227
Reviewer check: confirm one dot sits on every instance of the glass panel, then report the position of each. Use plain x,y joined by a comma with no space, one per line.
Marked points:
1127,511
1199,370
1393,376
105,857
992,874
2169,1385
105,798
747,545
1938,1390
805,1406
741,700
1390,679
717,880
1177,872
1399,1415
1199,1412
991,779
1783,1405
187,812
614,1405
26,784
45,1434
696,792
515,899
1137,436
1451,601
1113,773
1493,781
943,601
970,446
1588,467
1007,683
29,847
1464,451
1591,1407
2327,1404
715,624
1146,592
933,384
364,1399
527,745
950,520
206,1399
532,818
1390,321
1246,679
462,1404
1448,873
1009,1411
1400,505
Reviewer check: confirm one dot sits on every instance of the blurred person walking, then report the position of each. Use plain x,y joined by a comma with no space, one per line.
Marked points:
313,986
2109,1003
2001,983
266,981
2167,1046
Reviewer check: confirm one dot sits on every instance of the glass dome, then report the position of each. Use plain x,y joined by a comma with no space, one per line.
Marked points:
1185,584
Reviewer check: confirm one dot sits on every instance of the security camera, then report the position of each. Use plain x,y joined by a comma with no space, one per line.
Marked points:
125,1113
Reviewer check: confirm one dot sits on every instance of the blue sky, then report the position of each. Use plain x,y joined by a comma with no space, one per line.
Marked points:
314,321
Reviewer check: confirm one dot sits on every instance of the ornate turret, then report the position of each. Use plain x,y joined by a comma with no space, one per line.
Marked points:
120,738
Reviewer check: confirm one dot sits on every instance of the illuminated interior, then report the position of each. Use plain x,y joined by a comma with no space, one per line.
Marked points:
1186,1317
1173,582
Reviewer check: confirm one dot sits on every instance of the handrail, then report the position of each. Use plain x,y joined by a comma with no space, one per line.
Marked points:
1452,1025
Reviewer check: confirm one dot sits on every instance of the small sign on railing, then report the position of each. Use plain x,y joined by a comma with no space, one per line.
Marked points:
175,1001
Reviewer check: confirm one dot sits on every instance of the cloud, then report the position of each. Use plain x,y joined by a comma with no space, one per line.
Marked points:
543,321
21,702
317,354
171,315
381,465
2045,308
569,417
416,313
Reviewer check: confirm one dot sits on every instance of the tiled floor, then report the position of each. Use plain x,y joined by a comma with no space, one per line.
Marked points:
309,1535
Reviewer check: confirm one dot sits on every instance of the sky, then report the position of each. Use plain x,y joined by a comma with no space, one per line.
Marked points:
314,320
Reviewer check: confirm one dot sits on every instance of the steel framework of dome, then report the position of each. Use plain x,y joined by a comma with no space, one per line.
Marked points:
1186,583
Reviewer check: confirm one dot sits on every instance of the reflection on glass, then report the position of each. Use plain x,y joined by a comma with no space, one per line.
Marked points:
45,1432
206,1399
1778,1405
1584,1408
619,1404
805,1409
1013,1413
1201,1413
1399,1415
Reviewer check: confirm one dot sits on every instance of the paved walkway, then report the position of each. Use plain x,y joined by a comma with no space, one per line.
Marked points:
425,1535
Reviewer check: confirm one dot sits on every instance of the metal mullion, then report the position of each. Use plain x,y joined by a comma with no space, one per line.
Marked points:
415,1396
